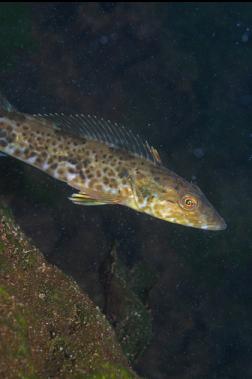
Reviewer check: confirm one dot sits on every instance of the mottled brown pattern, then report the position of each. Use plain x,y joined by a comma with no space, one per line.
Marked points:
109,174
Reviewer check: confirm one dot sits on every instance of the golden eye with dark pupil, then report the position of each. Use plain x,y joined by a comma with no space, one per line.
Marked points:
188,202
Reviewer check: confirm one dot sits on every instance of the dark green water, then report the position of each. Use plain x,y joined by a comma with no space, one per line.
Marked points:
182,76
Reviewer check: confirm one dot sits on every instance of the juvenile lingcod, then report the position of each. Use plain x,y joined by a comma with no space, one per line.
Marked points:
106,164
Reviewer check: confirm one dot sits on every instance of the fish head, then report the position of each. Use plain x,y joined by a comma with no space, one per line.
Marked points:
165,195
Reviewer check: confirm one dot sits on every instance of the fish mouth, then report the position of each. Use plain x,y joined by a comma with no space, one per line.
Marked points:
220,225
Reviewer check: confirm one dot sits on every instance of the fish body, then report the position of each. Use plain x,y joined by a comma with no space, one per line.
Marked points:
105,164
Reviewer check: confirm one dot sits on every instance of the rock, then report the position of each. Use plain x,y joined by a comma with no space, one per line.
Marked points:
126,303
48,327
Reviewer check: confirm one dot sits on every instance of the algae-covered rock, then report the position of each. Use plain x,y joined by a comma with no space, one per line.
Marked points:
48,327
126,305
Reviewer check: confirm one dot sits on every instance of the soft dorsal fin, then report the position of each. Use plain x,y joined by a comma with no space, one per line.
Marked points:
93,128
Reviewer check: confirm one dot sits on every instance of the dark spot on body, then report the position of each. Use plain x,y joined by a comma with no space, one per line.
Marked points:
61,172
43,154
123,173
39,161
3,143
53,142
3,133
71,170
82,175
113,183
18,153
98,187
86,162
110,172
39,139
72,161
54,166
105,180
61,158
50,160
31,154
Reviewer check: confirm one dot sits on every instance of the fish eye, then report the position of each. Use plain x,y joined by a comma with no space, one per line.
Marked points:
188,202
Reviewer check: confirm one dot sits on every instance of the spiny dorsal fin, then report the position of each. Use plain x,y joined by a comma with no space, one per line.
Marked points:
93,128
6,105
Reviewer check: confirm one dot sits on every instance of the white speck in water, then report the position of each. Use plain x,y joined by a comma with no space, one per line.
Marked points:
114,36
245,37
193,178
199,152
104,40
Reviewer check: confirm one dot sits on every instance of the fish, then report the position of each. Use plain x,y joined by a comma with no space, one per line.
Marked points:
106,163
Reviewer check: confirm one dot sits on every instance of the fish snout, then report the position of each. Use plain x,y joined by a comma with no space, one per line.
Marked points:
216,223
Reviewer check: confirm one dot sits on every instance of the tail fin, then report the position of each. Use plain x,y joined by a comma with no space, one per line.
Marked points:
5,105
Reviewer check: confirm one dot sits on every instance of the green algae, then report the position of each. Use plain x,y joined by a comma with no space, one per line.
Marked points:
1,247
25,376
4,266
109,371
48,327
3,293
21,330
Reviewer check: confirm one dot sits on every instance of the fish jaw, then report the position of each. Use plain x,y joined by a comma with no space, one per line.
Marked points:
215,227
214,222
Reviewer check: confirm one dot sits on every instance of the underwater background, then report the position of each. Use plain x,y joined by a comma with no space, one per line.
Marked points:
179,299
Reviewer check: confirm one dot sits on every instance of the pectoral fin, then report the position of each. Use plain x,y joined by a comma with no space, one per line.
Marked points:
83,199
